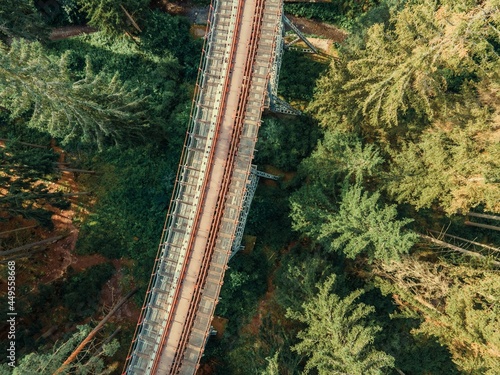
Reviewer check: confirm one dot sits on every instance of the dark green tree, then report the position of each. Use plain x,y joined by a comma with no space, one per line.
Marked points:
110,16
341,155
96,109
338,338
25,173
360,226
20,19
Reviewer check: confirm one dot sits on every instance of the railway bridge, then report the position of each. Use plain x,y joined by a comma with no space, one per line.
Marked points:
237,79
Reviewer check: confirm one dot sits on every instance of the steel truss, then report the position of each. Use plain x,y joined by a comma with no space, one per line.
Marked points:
250,189
275,103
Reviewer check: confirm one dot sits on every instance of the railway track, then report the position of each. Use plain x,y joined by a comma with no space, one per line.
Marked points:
209,190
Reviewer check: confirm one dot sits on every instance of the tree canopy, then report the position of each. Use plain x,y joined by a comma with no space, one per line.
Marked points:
339,337
97,108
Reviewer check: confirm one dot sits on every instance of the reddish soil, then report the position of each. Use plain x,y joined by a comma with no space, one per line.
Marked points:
52,263
219,325
322,29
114,290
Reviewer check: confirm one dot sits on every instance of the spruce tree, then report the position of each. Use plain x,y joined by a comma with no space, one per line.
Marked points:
20,19
109,15
338,338
96,109
360,226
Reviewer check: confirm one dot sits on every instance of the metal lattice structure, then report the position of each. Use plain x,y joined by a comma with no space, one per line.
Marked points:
247,201
274,102
209,192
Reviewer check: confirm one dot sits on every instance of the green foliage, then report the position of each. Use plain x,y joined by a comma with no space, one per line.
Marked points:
360,226
300,271
158,77
97,108
246,282
458,306
166,34
80,294
132,197
449,168
342,155
109,16
297,135
298,75
423,87
272,367
49,362
20,19
338,338
339,12
25,173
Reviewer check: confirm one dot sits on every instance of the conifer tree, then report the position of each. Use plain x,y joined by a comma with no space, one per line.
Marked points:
109,15
20,19
342,155
360,226
96,109
338,338
459,306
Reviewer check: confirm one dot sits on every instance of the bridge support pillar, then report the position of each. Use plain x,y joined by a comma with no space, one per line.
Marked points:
250,189
275,103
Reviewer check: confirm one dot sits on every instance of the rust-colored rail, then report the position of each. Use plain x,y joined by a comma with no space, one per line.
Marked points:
202,198
174,190
226,181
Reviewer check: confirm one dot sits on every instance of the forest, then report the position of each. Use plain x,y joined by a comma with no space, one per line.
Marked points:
377,250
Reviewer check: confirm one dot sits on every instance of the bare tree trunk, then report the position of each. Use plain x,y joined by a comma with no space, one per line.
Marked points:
18,229
456,248
131,19
23,255
466,240
76,170
484,216
23,143
486,226
91,335
30,245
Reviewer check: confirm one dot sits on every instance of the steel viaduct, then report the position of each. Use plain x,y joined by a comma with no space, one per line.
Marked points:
237,80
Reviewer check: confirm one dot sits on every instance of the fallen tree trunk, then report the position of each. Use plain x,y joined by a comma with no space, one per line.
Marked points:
457,249
31,245
91,335
484,216
466,240
18,229
485,226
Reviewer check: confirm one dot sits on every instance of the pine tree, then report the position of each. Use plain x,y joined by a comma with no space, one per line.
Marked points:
361,226
109,15
455,168
96,109
20,19
47,363
338,338
459,306
272,365
339,156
